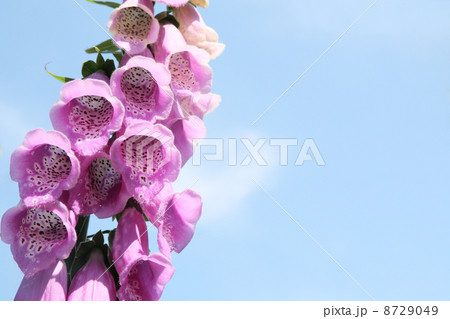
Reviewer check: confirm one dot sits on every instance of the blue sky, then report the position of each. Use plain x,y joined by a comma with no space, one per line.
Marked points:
377,106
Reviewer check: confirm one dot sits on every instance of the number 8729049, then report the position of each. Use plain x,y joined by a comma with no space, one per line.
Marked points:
410,311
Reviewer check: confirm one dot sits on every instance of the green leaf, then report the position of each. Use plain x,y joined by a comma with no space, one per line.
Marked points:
81,257
106,3
111,236
109,67
82,228
162,15
118,216
100,60
89,67
118,56
170,19
99,239
85,249
107,46
59,78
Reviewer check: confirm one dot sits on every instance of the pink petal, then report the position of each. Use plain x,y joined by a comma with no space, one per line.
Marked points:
44,166
87,114
134,26
130,240
170,40
188,132
196,32
157,207
100,190
146,279
93,282
38,236
47,285
126,57
147,158
142,277
187,64
143,87
173,3
177,225
189,104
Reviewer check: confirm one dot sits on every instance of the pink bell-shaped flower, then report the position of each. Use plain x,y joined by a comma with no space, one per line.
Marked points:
146,157
87,113
188,65
196,32
44,166
93,282
100,190
143,86
38,236
188,104
175,216
142,276
133,25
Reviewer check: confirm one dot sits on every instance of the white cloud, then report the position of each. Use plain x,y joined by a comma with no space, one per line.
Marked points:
224,192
